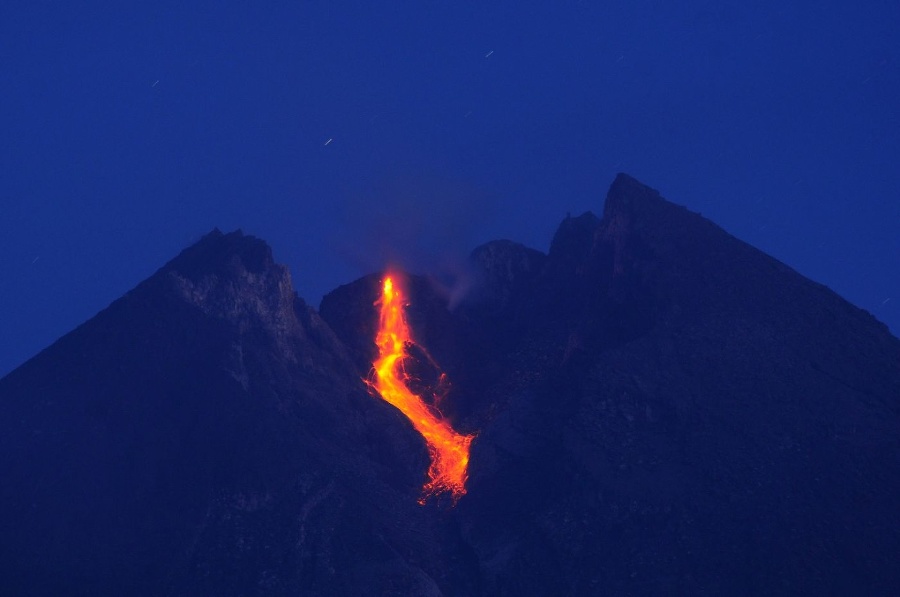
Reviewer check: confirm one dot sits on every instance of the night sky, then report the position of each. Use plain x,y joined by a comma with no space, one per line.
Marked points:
348,135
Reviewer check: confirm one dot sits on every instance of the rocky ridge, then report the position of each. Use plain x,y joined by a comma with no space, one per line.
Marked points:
660,408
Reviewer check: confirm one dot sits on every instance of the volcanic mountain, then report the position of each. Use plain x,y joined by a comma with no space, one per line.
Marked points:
659,408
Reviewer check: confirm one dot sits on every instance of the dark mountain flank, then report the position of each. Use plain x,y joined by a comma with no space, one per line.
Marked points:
660,409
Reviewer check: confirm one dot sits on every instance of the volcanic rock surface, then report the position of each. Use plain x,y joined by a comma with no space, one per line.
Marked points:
660,409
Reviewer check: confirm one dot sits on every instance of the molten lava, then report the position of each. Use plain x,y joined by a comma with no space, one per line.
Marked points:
449,450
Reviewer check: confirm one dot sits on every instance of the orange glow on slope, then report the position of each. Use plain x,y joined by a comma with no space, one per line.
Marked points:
449,450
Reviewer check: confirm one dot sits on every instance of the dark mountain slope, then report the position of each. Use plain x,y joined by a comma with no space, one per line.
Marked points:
660,409
664,409
206,434
711,423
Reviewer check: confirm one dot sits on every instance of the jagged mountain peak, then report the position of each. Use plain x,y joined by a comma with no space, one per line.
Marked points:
234,276
217,253
574,236
660,408
627,193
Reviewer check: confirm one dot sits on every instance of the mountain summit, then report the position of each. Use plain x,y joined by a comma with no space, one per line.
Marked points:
660,408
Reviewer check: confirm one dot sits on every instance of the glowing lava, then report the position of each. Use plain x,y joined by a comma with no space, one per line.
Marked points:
449,450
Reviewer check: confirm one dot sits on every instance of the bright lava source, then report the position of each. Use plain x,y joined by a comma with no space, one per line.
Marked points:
449,450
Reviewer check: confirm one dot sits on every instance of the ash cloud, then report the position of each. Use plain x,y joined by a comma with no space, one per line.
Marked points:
421,223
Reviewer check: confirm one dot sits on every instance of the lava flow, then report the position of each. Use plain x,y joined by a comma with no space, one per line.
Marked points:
449,450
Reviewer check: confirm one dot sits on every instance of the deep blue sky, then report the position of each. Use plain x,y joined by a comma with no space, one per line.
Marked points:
126,133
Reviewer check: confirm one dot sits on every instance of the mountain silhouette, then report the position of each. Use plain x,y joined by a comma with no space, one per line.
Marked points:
660,408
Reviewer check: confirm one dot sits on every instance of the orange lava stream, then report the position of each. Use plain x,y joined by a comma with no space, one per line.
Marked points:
449,450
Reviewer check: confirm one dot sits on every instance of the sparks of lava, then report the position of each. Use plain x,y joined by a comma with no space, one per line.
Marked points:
449,450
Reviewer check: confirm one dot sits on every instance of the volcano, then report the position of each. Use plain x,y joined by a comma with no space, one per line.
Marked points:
658,408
